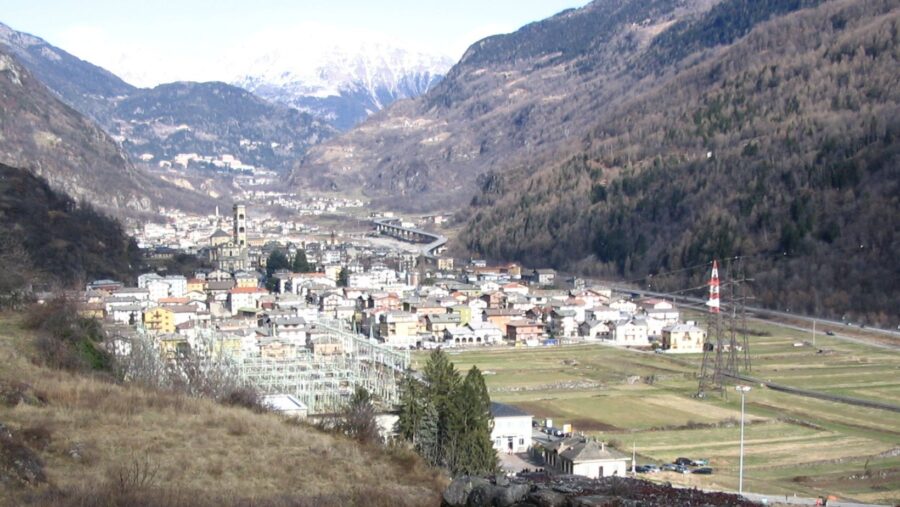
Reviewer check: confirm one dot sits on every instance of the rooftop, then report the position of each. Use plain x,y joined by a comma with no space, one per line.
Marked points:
504,410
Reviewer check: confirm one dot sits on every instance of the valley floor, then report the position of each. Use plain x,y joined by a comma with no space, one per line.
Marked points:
793,445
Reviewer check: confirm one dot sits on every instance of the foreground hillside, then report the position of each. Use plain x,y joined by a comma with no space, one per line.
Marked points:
107,444
781,147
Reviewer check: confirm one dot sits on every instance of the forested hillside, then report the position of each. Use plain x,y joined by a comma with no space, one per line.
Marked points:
777,141
47,237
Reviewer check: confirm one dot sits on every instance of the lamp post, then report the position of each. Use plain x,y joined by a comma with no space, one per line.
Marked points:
743,390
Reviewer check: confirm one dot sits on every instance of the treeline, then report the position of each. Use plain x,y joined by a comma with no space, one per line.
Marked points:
781,149
48,238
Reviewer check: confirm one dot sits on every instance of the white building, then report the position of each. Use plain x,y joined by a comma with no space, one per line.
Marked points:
286,405
630,332
585,457
512,428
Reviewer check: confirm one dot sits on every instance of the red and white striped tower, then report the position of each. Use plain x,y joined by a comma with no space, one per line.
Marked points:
713,302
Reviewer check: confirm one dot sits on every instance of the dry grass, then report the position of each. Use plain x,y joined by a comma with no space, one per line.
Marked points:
96,436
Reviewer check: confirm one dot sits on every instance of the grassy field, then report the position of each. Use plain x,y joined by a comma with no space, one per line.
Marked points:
107,444
793,445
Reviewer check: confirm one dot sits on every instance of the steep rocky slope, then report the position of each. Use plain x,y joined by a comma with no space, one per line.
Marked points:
209,119
780,147
40,133
46,236
512,100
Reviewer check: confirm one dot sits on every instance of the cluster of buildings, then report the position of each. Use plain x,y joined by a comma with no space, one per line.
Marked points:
381,294
513,432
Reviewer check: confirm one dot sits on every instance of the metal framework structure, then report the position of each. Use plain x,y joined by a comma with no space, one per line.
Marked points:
324,383
727,348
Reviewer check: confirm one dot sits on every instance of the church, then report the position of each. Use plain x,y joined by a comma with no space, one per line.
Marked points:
232,255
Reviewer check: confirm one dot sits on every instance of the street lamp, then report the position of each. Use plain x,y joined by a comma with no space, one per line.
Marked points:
743,390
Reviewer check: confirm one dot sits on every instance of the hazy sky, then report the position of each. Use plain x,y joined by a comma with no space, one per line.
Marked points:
149,42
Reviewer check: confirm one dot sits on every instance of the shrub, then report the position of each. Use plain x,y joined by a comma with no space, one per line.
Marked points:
245,397
65,340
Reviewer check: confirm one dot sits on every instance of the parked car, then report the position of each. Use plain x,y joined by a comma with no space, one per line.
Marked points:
642,469
672,467
700,463
829,333
703,471
683,461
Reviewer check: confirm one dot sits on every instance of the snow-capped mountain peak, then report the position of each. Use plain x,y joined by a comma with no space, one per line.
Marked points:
343,83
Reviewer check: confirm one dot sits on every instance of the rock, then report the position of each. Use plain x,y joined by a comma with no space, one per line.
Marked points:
501,480
482,495
543,490
510,495
19,465
457,493
546,498
601,501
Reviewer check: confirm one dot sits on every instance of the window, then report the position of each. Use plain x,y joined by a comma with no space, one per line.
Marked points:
521,441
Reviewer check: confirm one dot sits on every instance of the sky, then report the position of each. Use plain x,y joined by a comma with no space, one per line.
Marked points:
150,42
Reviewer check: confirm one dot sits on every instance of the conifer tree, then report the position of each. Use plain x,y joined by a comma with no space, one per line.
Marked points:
426,443
412,403
442,380
358,418
301,263
469,450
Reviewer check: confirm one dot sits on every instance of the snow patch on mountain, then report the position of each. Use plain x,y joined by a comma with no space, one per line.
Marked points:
343,83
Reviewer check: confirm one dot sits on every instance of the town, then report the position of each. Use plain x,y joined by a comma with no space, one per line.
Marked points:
340,310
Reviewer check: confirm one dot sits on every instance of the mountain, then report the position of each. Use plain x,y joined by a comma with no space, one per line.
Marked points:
209,120
512,100
343,84
766,131
632,138
48,236
78,83
213,120
40,133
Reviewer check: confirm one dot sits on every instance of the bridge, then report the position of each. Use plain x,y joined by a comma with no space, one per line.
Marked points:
433,240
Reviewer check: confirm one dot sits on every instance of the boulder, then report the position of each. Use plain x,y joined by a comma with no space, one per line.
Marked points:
457,493
546,498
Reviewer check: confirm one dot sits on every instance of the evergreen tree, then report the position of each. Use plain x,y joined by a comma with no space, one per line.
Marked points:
357,419
301,264
469,450
276,261
343,278
412,402
427,441
442,380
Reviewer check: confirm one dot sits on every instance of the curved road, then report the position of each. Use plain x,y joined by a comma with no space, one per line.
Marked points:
427,250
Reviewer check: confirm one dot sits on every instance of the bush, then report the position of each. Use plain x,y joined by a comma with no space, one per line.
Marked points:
245,397
65,340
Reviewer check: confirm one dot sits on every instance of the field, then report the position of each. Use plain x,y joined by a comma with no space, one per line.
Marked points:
793,445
